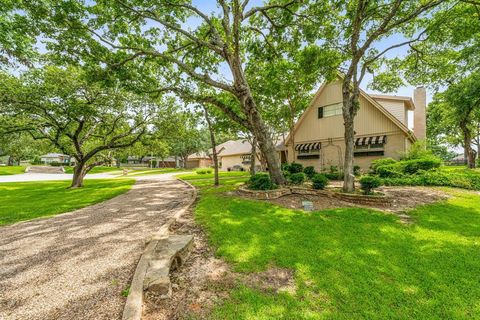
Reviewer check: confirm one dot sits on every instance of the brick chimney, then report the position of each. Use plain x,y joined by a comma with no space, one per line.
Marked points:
419,115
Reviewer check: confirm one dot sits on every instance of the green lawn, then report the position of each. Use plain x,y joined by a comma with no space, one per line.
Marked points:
99,169
8,170
27,200
222,174
349,263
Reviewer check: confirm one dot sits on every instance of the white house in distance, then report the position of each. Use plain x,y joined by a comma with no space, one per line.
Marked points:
55,158
381,128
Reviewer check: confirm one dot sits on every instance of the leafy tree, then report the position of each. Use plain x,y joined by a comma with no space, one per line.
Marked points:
360,26
152,38
20,146
79,118
458,110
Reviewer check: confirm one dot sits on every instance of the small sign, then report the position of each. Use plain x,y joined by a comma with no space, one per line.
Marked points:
307,205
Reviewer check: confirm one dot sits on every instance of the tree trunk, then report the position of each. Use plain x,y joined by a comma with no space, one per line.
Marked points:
79,172
265,143
216,180
467,142
10,161
350,107
253,156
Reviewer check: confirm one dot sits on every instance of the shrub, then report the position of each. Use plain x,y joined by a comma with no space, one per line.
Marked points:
333,169
204,170
381,162
390,171
319,181
334,175
287,175
285,166
368,183
417,150
261,181
356,170
414,165
295,167
56,164
297,178
309,171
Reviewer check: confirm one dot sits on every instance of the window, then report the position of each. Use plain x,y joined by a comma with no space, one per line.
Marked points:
369,150
308,154
330,110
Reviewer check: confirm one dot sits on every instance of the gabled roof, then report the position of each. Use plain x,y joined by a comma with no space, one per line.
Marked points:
363,94
407,100
242,146
54,155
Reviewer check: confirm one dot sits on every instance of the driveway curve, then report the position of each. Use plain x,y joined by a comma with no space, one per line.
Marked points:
76,265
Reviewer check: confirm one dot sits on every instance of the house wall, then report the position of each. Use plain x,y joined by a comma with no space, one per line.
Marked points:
330,130
232,160
396,108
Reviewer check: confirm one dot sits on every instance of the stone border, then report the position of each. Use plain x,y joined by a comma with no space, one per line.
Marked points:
278,193
133,308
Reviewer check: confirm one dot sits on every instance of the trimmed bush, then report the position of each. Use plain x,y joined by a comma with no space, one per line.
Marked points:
381,162
390,171
309,171
261,181
334,175
287,174
295,167
204,170
368,183
57,164
297,178
356,170
413,166
319,181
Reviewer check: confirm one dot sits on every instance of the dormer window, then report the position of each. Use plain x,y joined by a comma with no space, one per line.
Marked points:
330,110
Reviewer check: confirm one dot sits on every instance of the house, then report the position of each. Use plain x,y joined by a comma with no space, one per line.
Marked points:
237,154
381,128
153,162
199,159
56,158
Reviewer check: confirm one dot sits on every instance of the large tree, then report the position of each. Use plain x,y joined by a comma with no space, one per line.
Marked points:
457,111
201,46
78,117
363,27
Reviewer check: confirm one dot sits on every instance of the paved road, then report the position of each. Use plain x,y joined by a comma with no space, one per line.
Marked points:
22,177
75,265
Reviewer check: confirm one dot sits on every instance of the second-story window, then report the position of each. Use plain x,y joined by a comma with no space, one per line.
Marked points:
330,110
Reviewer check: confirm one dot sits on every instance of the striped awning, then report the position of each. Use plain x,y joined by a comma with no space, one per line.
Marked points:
246,157
370,140
308,146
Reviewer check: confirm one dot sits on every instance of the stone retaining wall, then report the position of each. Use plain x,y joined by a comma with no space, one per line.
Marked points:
277,193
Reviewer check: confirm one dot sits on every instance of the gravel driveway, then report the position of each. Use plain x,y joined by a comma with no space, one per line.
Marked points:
76,265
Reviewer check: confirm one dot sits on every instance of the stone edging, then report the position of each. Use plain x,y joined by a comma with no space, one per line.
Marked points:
134,305
278,193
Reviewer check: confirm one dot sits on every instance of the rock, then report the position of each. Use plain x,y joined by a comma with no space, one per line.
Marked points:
168,255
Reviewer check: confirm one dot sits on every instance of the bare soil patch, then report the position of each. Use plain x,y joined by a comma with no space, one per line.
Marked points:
204,280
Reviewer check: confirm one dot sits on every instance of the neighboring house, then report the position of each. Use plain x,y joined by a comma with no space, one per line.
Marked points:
200,159
154,162
56,158
235,154
381,128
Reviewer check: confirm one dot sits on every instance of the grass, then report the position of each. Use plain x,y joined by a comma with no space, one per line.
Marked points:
349,263
9,170
222,174
99,169
27,200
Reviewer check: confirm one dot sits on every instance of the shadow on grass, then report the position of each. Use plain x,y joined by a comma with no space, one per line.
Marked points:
351,262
